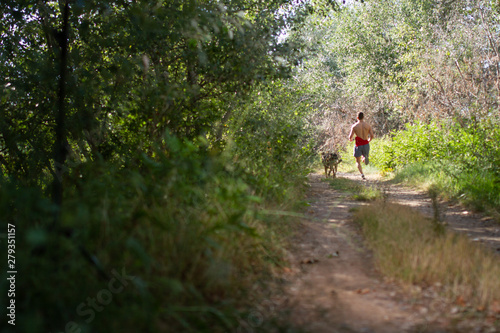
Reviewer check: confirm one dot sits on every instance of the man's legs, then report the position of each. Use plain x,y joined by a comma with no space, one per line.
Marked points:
358,164
366,152
358,154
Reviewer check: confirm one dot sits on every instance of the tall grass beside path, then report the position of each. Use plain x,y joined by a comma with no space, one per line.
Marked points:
415,250
187,230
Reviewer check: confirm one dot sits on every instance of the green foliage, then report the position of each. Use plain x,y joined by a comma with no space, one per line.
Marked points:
136,70
358,191
184,213
272,139
418,142
462,159
184,224
401,61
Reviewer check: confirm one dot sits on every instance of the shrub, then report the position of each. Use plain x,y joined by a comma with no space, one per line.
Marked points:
184,224
462,158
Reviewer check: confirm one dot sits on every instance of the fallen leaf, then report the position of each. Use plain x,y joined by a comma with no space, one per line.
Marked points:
309,261
460,301
333,255
495,307
363,291
287,270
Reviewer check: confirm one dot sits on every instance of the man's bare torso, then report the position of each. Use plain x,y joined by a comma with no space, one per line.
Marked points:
361,129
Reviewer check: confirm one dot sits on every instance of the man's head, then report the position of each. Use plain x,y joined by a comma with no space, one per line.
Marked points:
360,116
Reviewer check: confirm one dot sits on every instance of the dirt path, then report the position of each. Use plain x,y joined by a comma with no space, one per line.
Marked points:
334,286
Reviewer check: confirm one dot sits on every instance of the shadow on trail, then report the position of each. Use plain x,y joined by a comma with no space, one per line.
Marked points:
333,285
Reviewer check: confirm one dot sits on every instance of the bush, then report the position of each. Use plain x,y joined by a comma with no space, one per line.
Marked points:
273,141
462,158
181,230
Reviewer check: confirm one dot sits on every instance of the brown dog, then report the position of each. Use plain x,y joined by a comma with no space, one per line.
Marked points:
330,162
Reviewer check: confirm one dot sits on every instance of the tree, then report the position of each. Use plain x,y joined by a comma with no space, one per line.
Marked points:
135,70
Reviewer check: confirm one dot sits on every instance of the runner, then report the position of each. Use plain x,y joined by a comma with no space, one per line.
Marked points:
364,134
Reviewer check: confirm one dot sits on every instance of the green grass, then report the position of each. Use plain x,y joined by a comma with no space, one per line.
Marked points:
348,164
368,193
357,191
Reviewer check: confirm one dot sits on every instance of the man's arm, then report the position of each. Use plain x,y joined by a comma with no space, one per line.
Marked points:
351,134
371,134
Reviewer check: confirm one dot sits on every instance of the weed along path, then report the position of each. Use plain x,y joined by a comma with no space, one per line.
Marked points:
334,285
482,229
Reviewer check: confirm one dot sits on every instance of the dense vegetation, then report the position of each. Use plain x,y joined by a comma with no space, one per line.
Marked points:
161,139
460,162
144,149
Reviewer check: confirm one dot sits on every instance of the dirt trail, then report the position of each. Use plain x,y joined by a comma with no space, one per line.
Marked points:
334,286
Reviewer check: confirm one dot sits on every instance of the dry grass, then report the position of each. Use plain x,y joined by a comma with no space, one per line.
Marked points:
416,250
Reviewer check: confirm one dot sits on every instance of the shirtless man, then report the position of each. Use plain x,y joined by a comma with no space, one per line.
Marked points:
364,134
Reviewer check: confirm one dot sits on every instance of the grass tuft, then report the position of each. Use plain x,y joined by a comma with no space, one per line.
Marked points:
410,248
357,191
